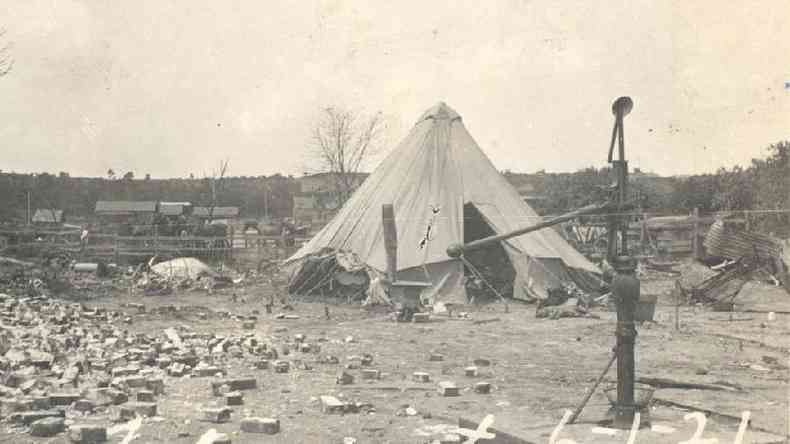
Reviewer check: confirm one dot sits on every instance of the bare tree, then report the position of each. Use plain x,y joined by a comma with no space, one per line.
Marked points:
342,140
217,184
6,61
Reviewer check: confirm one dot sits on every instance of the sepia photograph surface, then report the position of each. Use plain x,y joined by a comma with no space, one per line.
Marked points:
353,222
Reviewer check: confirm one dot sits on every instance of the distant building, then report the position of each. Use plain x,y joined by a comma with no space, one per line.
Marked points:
126,211
48,217
175,208
215,212
124,207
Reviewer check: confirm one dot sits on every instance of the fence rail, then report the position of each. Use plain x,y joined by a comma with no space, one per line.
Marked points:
117,247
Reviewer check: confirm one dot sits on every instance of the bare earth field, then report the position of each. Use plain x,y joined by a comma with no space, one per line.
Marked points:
538,369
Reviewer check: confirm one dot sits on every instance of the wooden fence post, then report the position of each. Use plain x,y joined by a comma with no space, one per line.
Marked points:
116,247
156,240
643,233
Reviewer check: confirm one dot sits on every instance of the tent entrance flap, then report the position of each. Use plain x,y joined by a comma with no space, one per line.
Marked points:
492,262
532,276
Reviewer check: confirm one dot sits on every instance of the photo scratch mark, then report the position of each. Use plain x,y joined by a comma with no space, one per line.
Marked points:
427,237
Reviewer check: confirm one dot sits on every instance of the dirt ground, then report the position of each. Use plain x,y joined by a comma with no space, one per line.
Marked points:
538,367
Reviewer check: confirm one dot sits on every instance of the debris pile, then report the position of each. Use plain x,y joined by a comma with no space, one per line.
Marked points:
332,274
66,362
180,273
68,368
566,301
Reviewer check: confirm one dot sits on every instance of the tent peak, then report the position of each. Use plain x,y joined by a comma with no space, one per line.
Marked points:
440,111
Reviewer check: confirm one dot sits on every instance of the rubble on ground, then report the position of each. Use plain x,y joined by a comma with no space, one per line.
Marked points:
63,361
332,274
86,280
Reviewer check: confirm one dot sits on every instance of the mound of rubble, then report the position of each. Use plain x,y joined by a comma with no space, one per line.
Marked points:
66,368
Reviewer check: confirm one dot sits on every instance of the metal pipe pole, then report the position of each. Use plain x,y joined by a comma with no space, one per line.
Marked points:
625,288
456,250
625,285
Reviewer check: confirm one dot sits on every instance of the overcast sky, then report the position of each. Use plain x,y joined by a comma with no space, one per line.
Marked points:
170,88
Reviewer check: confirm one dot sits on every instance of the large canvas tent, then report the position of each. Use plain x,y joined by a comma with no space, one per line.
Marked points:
445,190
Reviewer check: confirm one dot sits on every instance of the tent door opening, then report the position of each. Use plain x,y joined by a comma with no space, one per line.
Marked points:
491,262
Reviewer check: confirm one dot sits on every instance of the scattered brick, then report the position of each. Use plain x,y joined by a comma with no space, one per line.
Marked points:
40,403
176,369
448,388
134,381
130,410
107,396
234,385
217,414
156,385
30,417
145,396
421,377
119,372
344,378
206,371
234,398
370,373
87,434
483,388
481,362
450,438
330,404
268,426
281,366
63,399
164,362
47,427
84,405
329,359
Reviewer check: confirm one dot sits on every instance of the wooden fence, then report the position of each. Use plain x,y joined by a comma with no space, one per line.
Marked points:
120,249
680,235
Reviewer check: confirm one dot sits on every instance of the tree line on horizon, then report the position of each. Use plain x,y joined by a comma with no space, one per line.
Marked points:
762,186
